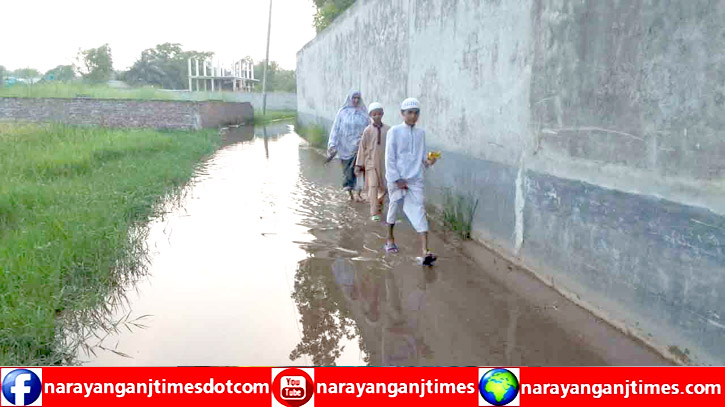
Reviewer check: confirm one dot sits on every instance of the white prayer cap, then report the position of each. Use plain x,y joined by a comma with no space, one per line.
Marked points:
375,106
410,103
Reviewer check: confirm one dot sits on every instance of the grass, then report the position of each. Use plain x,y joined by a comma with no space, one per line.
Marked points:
458,212
273,115
70,201
78,89
314,134
103,91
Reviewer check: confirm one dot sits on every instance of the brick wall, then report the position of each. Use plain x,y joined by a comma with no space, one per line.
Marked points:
158,114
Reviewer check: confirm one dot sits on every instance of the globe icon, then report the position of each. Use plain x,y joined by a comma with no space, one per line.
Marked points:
499,387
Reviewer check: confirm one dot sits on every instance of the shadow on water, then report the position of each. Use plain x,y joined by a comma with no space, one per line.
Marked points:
263,261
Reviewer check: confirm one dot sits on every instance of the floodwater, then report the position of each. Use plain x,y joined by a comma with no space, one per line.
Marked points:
265,262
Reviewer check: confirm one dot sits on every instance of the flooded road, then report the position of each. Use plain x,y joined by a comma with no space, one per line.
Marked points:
265,262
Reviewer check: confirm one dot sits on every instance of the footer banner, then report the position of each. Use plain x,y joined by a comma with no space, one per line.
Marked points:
363,386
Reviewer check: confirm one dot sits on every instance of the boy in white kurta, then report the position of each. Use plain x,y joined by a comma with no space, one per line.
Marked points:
405,161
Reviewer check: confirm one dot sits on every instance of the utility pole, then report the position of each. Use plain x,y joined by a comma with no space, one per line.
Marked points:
266,63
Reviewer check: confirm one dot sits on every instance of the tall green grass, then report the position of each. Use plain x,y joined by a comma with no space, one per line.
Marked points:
70,200
458,212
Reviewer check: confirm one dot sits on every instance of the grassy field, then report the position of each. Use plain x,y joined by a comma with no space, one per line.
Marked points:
69,199
103,91
77,89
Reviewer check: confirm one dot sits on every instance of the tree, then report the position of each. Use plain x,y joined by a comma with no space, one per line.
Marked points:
164,66
61,73
3,74
28,75
278,79
328,10
96,64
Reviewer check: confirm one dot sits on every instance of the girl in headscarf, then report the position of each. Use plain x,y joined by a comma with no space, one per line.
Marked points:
350,122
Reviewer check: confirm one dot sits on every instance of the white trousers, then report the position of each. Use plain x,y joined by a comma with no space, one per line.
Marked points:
412,201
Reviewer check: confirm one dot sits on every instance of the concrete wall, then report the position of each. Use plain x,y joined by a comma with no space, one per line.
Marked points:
159,114
275,100
591,132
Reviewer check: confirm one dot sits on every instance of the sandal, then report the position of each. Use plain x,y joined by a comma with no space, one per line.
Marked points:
391,248
375,218
428,260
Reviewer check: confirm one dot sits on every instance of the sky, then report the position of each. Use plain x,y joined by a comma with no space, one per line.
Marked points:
50,33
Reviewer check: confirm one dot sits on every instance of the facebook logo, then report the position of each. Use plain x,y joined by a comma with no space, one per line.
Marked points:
21,387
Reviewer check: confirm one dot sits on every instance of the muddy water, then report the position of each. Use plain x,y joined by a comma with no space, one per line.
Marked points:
265,262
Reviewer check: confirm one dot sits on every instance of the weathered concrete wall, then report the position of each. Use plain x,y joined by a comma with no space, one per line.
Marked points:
592,134
159,114
275,100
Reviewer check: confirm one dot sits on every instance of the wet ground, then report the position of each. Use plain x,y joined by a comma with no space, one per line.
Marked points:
265,262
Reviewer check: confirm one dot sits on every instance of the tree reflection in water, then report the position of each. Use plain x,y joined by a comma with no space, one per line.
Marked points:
325,317
341,299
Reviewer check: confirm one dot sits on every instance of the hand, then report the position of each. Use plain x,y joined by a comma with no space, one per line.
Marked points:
402,184
358,170
431,158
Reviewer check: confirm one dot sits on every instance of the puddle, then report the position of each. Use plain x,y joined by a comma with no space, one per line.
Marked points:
265,262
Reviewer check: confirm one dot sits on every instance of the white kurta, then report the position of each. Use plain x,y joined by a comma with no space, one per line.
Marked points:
405,152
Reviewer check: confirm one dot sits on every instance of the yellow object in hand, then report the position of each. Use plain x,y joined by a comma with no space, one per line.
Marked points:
434,155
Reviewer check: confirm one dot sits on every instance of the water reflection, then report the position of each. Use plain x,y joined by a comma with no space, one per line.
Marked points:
265,262
325,318
401,313
236,134
402,341
84,332
221,266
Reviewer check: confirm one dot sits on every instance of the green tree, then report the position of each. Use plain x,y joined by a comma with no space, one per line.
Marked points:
278,79
26,73
96,64
164,65
63,73
328,10
3,74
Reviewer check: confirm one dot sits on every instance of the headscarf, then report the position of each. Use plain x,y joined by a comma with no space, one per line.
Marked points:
350,122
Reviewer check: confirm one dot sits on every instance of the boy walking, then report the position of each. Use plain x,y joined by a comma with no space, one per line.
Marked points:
405,161
371,159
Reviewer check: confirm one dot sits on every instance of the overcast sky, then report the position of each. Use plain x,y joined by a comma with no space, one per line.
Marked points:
43,34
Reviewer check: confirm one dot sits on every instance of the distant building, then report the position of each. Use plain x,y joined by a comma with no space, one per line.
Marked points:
238,78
